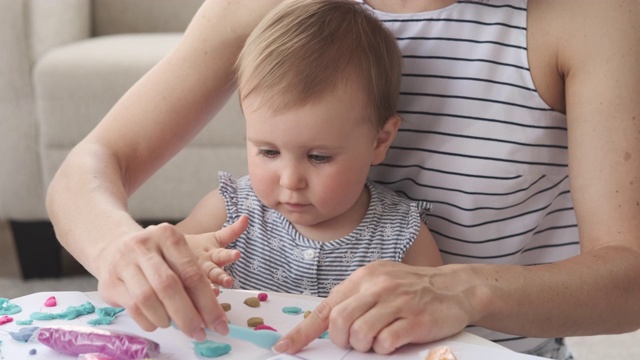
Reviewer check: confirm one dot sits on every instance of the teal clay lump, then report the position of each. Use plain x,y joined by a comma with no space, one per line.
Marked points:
292,310
106,315
70,313
8,308
211,349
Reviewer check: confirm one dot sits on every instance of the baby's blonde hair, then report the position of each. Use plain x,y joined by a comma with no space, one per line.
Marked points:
305,48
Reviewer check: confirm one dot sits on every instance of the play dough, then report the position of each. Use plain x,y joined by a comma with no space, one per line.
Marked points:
70,313
211,349
51,301
292,310
255,321
252,301
8,308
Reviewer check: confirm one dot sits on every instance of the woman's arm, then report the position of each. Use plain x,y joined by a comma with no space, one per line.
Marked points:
151,272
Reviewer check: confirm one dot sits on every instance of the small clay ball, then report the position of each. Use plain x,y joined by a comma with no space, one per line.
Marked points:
252,301
226,306
307,313
255,321
263,296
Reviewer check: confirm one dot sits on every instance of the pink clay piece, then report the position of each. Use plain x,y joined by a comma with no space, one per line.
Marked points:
51,301
262,296
4,319
264,327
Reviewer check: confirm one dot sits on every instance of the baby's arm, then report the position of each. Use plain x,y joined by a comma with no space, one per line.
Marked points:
199,228
423,251
207,216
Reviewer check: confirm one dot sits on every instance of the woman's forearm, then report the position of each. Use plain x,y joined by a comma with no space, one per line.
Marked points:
87,204
567,298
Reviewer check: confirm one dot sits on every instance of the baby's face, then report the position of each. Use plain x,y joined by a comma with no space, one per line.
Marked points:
310,163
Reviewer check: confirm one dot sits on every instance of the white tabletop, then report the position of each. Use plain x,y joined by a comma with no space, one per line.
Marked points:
175,345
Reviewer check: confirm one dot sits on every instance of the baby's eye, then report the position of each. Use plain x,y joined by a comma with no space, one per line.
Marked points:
320,159
268,153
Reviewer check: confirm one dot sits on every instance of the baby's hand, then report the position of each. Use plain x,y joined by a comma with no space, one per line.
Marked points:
212,254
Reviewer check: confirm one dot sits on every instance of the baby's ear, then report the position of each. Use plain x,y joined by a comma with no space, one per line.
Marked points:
385,138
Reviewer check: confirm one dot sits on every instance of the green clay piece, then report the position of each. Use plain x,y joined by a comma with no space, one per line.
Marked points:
8,308
102,320
70,313
211,349
106,315
324,335
109,311
24,322
36,315
252,301
73,312
292,310
255,321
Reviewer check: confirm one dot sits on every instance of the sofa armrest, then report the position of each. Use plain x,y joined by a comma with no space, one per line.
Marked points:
58,22
20,177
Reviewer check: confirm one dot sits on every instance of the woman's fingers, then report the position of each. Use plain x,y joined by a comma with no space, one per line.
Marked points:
383,306
114,293
157,278
308,330
193,301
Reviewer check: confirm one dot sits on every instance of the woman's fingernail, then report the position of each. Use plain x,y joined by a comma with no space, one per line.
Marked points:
221,327
281,346
200,335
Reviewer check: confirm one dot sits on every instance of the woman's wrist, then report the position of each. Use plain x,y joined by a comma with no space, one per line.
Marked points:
479,286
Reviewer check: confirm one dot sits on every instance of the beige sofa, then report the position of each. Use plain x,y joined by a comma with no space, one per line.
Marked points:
63,64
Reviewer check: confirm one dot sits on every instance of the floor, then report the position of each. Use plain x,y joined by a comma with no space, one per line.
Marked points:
614,347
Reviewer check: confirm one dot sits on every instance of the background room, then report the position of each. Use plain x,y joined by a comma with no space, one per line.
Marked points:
64,64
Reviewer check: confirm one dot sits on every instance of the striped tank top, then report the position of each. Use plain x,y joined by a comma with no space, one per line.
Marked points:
276,257
478,142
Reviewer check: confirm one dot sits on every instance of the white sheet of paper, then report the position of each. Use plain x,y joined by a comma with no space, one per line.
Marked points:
175,345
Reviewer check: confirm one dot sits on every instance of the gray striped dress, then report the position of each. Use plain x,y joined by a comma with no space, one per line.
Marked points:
276,257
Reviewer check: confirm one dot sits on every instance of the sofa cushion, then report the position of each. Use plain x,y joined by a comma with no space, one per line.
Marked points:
77,84
127,16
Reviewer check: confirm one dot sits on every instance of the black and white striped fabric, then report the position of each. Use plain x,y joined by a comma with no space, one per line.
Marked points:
478,142
276,257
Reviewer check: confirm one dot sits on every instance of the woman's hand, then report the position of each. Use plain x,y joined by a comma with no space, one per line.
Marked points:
157,278
383,306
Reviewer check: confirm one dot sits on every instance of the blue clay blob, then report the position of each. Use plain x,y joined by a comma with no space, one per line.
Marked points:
8,308
24,334
211,349
24,322
292,310
324,335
